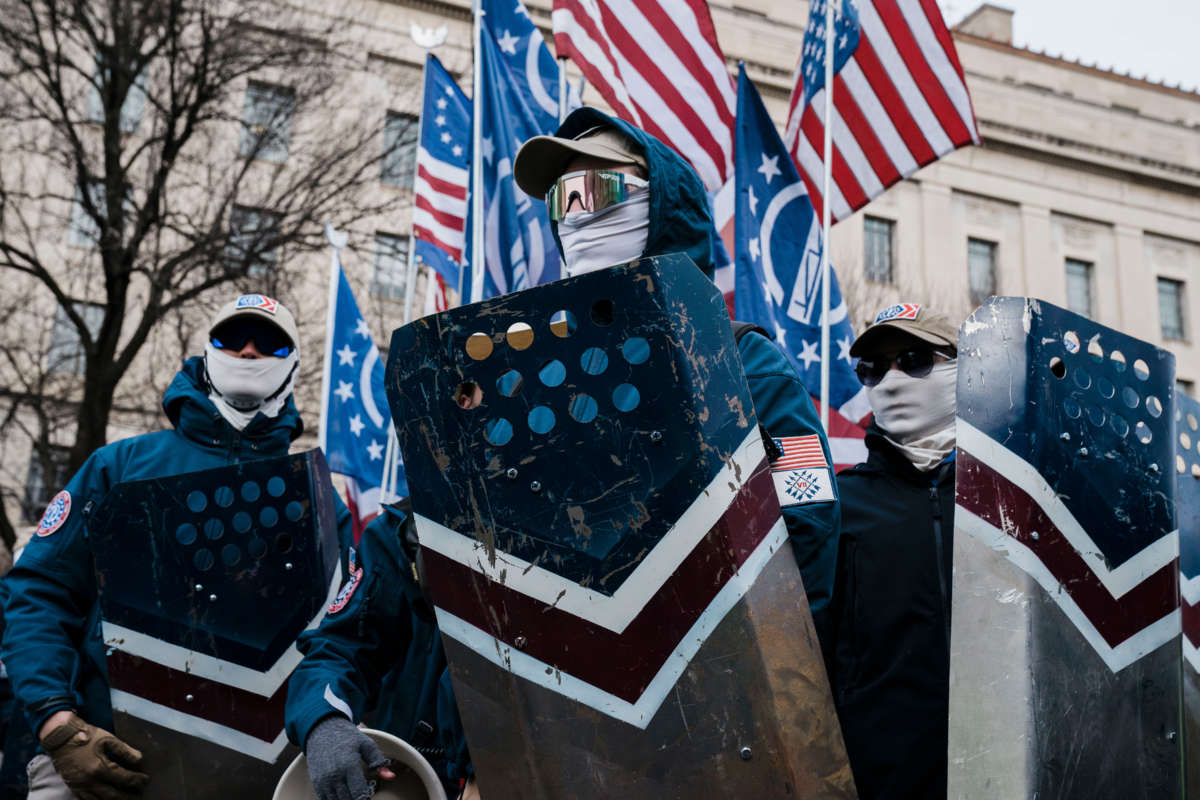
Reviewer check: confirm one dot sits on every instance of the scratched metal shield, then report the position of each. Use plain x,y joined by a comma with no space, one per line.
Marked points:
206,579
619,604
1187,507
1065,649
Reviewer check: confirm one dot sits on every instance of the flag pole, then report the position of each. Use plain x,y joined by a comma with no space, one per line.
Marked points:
477,163
335,266
830,38
562,90
410,274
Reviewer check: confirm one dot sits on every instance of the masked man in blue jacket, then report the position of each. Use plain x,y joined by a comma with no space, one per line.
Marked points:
233,404
614,194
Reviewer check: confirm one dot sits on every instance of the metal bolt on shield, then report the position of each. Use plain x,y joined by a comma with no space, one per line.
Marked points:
656,437
511,473
535,486
746,753
520,642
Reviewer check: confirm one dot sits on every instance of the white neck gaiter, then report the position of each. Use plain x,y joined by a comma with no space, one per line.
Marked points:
592,240
242,387
917,414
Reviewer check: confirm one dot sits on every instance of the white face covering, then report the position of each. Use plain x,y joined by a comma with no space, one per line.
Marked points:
242,387
592,240
917,414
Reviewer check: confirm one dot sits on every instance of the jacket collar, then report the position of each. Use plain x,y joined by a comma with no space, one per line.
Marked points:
883,456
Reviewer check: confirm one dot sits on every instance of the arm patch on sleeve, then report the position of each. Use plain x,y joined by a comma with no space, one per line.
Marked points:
56,514
801,473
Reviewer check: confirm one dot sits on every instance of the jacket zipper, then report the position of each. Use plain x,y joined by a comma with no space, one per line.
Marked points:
941,569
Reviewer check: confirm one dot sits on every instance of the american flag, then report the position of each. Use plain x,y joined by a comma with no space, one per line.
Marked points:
899,99
799,452
658,65
440,186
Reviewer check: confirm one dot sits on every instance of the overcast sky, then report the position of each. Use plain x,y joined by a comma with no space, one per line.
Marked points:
1158,39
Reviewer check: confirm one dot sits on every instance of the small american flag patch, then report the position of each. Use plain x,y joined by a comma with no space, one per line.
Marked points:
799,452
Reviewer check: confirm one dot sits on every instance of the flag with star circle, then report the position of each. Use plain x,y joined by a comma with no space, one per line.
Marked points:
778,256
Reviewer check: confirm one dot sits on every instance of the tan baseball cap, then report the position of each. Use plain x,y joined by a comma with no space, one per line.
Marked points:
914,319
259,305
543,159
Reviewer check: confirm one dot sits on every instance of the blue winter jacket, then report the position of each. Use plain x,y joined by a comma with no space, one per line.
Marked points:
380,654
52,644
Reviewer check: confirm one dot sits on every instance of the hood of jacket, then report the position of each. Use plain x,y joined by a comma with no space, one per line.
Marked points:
680,219
194,416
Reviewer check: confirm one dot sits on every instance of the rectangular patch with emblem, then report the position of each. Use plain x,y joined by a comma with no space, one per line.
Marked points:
257,301
899,311
799,452
801,486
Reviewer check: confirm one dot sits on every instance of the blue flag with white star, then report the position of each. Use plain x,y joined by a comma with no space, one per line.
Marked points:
356,418
518,246
777,273
529,60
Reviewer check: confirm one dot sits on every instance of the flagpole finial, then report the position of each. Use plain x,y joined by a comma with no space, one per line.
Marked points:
336,238
428,38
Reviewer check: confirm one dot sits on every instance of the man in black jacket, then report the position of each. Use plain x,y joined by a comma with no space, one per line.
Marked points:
889,647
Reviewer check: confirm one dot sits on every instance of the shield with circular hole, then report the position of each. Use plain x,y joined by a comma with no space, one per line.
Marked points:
603,543
206,579
1187,518
1065,646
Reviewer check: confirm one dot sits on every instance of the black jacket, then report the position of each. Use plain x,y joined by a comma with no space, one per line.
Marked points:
889,644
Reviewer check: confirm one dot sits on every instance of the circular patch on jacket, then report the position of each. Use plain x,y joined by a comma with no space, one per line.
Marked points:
56,514
346,592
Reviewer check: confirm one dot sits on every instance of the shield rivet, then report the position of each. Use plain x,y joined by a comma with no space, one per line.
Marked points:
511,473
746,753
535,486
520,642
1171,736
1034,536
1066,437
1083,452
212,598
288,565
1154,467
189,698
199,587
656,436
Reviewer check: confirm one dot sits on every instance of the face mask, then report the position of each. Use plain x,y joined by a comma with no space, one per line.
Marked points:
910,408
243,387
592,240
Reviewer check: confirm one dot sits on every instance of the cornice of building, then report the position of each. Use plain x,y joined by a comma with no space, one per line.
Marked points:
1077,66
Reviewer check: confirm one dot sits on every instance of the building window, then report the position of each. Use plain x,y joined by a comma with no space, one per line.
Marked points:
1079,287
1185,387
1170,308
267,122
83,230
391,266
131,109
981,269
44,480
399,149
253,241
878,237
66,353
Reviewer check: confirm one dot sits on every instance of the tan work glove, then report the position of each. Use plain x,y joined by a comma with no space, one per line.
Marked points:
95,764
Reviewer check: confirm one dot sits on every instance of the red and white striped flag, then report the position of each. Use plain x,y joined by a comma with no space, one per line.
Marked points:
658,65
899,99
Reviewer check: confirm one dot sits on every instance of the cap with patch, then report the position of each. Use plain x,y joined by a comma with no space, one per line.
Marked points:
914,319
259,306
543,159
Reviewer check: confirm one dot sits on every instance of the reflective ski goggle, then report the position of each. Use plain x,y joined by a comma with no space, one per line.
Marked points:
916,363
590,190
269,339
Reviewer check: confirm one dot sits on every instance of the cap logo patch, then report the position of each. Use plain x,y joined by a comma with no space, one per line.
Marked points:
56,514
257,301
898,311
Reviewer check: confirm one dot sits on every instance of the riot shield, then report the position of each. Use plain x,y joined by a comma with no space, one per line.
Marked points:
206,579
600,531
1065,654
1187,518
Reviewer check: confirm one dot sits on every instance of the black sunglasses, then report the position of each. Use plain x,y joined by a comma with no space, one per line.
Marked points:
269,339
916,362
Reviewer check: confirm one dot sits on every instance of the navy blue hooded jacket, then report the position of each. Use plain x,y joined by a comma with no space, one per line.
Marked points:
353,649
52,642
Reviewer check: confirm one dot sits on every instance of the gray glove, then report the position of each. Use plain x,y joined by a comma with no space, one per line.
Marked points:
336,750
